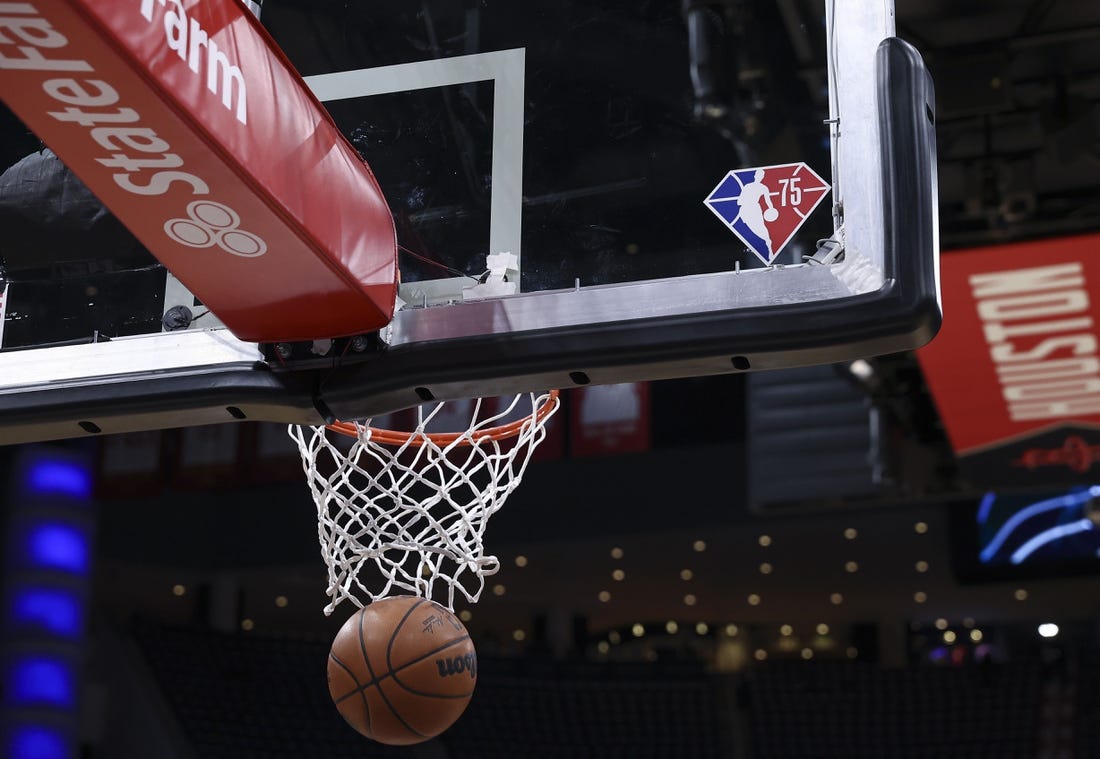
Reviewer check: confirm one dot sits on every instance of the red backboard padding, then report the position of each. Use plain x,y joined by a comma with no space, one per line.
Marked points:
191,126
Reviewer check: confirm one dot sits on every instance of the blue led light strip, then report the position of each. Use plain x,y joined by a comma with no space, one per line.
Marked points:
47,563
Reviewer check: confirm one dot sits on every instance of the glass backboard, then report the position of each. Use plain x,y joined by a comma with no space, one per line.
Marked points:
582,194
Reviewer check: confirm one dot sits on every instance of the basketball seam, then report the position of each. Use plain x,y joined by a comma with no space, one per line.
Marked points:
377,680
397,631
358,686
393,672
370,670
419,659
359,690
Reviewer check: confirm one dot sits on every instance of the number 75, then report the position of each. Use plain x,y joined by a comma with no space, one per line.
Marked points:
791,195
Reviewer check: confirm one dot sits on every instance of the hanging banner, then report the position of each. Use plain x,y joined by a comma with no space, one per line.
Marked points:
209,456
191,126
1015,371
609,419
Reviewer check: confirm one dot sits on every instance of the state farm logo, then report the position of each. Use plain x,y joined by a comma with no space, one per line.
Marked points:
210,224
141,161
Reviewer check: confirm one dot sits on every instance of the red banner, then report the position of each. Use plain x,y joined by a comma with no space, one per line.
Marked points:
186,120
1017,358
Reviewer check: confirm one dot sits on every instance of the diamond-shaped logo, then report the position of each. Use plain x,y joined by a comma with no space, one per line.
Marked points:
765,206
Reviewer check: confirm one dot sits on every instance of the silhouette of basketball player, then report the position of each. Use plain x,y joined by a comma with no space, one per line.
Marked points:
751,212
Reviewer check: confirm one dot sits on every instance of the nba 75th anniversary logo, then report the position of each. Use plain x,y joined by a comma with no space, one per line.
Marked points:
765,206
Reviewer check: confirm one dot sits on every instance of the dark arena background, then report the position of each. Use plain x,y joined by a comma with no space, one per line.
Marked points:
857,560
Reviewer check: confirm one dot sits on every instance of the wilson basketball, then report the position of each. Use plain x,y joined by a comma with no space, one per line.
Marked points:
402,670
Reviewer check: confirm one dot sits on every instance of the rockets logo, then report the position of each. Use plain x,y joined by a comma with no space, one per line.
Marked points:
1076,453
765,206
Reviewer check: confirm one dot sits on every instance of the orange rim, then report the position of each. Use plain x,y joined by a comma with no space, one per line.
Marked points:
441,439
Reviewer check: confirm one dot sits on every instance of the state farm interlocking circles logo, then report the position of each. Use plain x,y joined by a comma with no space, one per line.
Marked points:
210,224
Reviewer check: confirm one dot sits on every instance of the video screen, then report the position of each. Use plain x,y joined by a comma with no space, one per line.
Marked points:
1029,534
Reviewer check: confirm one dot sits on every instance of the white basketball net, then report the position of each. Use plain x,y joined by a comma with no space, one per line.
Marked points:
410,515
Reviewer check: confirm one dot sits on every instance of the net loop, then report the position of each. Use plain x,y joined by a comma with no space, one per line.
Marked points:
407,511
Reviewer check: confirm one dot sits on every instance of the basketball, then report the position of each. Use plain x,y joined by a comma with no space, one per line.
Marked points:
402,670
771,214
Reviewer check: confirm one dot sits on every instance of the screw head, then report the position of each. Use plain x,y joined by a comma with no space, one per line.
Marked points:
177,318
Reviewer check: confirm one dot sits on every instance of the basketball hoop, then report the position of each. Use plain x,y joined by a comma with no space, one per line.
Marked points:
407,511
